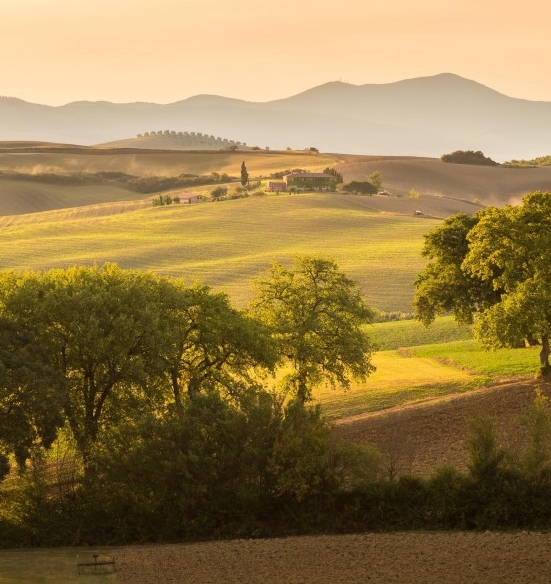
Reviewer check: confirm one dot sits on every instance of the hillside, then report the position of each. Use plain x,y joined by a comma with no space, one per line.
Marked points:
445,188
229,243
488,185
424,436
45,192
426,116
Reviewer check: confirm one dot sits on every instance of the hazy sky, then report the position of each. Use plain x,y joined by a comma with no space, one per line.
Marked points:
57,51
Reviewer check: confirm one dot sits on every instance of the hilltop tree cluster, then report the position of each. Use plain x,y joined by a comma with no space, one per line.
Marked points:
468,157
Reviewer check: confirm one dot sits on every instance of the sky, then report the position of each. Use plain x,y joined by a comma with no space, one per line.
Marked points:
58,51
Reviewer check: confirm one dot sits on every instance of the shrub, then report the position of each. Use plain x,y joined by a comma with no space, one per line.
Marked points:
360,187
219,192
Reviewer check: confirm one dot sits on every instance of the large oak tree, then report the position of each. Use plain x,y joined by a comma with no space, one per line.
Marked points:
493,269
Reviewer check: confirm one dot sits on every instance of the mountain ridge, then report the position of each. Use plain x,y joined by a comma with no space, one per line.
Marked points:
423,116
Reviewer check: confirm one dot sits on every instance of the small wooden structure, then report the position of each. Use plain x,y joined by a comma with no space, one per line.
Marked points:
100,565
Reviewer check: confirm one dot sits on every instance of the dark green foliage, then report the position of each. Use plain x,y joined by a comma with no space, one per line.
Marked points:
30,401
244,174
333,172
315,315
253,468
492,268
150,383
468,157
164,200
360,187
219,192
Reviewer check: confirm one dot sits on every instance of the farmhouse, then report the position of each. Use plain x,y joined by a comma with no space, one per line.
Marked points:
310,180
192,199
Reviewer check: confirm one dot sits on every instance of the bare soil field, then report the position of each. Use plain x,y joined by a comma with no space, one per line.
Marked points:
490,185
413,558
421,437
435,433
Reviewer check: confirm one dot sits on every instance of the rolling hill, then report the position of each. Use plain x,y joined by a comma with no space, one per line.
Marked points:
227,244
427,116
445,188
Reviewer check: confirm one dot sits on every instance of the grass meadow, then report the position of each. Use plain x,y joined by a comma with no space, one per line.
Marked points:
425,363
50,566
227,244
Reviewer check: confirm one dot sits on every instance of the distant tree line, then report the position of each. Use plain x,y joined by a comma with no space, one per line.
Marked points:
189,138
533,163
140,184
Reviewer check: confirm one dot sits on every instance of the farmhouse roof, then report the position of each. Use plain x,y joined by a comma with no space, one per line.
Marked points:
309,175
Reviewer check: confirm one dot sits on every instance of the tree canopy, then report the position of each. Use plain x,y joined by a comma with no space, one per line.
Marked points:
316,314
493,269
114,341
468,157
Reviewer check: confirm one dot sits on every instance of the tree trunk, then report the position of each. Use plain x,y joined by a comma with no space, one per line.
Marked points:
177,394
545,368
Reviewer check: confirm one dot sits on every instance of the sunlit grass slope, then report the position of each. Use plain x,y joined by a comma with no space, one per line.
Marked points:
411,374
229,243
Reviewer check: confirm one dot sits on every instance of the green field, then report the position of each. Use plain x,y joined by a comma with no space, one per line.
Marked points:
51,566
416,373
227,244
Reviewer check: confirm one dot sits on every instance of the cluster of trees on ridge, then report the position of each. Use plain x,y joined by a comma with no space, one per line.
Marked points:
186,140
468,157
533,163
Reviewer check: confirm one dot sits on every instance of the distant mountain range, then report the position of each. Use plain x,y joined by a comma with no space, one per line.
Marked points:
426,116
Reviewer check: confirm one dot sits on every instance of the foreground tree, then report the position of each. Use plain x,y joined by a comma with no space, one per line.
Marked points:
316,315
97,327
30,395
493,269
209,345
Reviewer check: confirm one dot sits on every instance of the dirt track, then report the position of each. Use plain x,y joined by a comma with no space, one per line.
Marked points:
435,433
